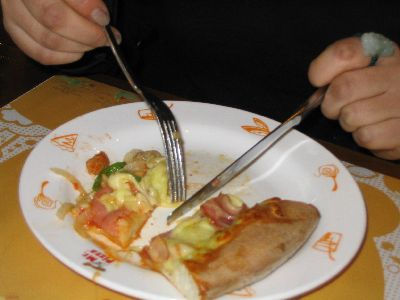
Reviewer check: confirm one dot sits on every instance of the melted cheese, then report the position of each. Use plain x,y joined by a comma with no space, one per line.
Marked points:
155,182
192,237
123,196
194,231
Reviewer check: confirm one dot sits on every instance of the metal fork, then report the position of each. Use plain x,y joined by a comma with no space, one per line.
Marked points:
172,139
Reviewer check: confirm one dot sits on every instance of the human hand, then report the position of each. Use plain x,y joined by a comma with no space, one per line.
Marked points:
365,100
56,31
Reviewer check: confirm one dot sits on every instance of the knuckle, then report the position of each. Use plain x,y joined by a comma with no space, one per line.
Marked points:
99,39
50,40
363,137
330,107
53,15
328,110
344,51
342,87
348,118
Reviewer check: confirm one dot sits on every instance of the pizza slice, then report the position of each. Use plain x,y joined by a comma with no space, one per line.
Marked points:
226,246
122,198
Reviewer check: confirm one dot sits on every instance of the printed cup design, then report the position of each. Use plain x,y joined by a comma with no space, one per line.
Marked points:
65,142
328,243
260,129
330,171
147,114
43,201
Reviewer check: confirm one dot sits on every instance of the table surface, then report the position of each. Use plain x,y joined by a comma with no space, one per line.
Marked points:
374,273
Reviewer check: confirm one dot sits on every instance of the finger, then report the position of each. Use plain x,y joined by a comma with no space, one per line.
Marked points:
41,34
60,18
95,10
369,111
379,136
392,154
341,56
352,86
368,83
37,52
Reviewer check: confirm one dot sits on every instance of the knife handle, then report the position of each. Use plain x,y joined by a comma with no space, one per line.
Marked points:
310,104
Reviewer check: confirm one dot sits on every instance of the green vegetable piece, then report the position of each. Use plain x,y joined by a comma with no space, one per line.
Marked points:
111,169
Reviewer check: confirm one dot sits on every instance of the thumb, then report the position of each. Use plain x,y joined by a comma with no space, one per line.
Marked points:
94,10
341,56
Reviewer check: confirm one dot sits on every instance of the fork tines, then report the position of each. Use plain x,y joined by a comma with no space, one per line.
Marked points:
173,147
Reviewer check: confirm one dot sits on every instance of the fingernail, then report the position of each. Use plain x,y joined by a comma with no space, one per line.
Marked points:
117,35
100,16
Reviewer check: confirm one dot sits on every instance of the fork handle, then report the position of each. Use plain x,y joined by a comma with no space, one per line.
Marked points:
123,63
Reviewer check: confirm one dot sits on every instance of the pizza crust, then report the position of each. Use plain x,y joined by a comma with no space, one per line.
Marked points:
257,248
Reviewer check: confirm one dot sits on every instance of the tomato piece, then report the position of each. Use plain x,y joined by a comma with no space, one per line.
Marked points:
98,212
158,250
97,163
110,223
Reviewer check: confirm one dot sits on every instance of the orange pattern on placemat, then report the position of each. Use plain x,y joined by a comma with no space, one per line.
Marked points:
396,259
359,172
394,265
17,133
43,201
395,269
147,114
246,292
328,243
392,183
260,129
65,142
330,171
387,246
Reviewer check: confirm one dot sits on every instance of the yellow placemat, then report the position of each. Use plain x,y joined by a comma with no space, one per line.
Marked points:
28,271
375,273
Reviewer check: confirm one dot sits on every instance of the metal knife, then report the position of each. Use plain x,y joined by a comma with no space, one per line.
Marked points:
249,156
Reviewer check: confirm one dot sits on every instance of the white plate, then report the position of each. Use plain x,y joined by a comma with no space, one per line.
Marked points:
296,168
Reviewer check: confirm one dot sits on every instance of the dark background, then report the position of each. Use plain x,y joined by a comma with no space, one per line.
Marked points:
18,74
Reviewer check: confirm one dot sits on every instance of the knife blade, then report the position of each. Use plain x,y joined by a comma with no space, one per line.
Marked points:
249,156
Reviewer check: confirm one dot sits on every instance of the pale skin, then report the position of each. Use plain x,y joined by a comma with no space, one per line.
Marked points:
365,100
55,32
